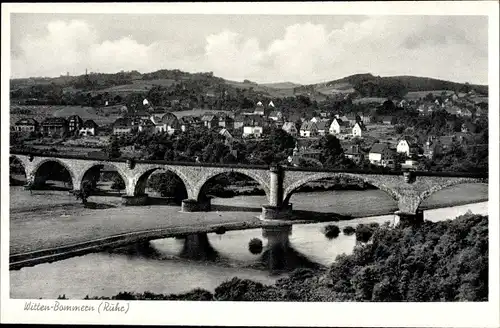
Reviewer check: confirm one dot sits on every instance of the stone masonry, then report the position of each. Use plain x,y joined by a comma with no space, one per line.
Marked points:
407,189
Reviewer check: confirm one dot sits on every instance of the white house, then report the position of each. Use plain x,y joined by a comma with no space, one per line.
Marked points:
254,131
337,126
358,129
290,128
253,127
381,155
89,128
406,146
147,126
308,129
275,115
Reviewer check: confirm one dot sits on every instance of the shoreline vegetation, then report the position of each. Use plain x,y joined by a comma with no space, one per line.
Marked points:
434,261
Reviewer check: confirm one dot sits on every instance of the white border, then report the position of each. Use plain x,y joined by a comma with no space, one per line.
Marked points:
270,314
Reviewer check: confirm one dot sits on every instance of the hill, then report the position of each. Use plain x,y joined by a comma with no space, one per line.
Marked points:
188,90
368,85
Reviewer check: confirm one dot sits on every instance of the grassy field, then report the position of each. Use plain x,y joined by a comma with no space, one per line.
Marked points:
139,86
367,100
197,112
414,95
40,113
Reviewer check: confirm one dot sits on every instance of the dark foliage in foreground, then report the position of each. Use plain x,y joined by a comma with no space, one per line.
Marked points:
331,231
443,261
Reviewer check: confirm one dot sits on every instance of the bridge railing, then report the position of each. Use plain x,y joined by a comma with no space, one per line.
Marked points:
392,172
381,171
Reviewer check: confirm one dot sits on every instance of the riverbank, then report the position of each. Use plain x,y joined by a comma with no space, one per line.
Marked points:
106,274
372,272
49,219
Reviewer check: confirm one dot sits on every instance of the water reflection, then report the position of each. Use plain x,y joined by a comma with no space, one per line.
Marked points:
157,267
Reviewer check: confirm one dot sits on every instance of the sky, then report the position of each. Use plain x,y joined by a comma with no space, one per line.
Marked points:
262,48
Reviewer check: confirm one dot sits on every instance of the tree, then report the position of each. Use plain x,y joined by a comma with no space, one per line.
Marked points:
118,183
84,193
331,150
113,149
168,184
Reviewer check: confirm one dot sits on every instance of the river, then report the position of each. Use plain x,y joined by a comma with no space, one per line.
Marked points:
106,274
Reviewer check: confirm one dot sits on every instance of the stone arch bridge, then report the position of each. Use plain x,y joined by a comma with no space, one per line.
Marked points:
407,188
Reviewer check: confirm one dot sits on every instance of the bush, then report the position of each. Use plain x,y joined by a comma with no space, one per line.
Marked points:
348,231
255,246
364,232
331,231
118,183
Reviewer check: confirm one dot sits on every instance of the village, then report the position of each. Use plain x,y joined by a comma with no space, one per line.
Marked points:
363,136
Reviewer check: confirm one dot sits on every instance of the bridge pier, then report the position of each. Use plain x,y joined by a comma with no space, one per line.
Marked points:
192,205
278,246
197,247
406,219
136,200
276,210
270,212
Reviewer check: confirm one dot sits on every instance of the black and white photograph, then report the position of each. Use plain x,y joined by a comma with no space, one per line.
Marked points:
281,157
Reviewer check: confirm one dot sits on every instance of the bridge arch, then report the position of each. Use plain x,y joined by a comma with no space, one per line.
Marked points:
263,183
290,189
88,167
449,183
141,178
35,177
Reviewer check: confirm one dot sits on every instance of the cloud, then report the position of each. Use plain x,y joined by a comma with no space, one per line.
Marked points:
444,47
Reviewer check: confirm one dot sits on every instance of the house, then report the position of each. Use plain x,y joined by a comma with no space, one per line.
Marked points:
227,136
225,121
26,125
338,126
259,109
407,146
89,128
253,127
168,123
210,121
354,154
465,112
123,126
139,115
323,127
271,104
54,126
315,119
147,126
365,119
410,164
290,128
381,155
447,142
75,122
431,147
186,122
239,121
308,129
358,129
275,115
352,118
